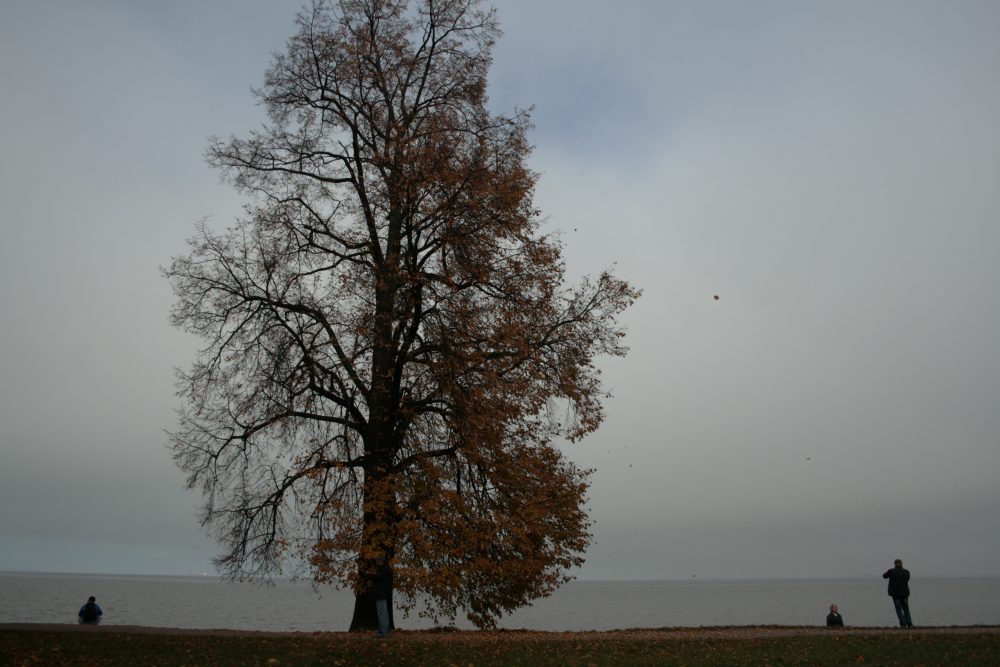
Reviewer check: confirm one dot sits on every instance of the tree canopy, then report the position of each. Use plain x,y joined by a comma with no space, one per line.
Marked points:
392,357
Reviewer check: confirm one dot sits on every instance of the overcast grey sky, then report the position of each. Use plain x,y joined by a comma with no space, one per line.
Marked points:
830,169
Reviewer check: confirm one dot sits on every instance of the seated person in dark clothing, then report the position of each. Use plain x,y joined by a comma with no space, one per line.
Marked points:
834,619
90,613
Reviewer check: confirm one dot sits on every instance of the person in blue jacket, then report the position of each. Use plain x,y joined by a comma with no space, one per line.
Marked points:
383,596
90,613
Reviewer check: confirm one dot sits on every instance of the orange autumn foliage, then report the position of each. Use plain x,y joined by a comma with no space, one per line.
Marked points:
391,352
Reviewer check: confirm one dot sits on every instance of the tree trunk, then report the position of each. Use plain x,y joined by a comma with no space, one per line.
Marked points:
378,441
365,617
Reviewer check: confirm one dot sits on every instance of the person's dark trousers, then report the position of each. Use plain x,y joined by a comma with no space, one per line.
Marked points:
903,611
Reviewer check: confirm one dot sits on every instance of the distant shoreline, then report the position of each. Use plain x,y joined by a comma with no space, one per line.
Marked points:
669,580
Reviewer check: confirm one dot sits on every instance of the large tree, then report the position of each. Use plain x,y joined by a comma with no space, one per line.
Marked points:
392,357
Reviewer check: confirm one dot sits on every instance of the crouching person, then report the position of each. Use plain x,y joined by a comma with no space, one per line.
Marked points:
90,613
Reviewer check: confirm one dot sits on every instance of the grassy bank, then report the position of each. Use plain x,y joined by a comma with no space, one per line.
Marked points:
46,647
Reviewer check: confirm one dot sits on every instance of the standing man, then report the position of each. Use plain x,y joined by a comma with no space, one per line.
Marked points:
899,591
383,595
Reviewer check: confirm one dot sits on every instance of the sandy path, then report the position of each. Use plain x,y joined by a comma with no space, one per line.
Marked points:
726,632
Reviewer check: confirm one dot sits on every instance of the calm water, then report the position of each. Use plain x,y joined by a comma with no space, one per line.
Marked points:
207,602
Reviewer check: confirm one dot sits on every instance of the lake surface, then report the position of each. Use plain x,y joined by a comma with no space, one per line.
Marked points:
208,602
